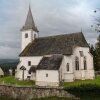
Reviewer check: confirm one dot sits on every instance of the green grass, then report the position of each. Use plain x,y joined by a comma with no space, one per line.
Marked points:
10,80
84,89
77,83
85,92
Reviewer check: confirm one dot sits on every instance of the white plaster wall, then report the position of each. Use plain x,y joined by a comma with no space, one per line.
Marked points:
78,74
1,72
81,74
51,80
24,62
26,41
34,61
67,76
33,76
89,74
18,71
87,54
90,62
20,74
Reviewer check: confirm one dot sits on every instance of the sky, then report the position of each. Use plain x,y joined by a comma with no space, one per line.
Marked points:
51,17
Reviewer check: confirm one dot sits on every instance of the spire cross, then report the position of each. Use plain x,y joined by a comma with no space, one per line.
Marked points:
29,5
81,29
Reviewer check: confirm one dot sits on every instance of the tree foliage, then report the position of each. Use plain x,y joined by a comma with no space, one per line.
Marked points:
95,51
6,66
97,48
96,20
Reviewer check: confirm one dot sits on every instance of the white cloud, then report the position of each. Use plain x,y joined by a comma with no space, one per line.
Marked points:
51,17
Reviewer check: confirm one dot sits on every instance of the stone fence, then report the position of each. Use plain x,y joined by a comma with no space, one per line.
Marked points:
29,92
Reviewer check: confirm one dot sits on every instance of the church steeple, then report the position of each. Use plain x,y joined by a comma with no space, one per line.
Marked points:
29,31
29,24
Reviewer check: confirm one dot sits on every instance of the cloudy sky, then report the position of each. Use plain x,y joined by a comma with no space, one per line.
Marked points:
51,17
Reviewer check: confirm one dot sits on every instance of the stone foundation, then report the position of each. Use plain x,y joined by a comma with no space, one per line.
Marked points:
54,84
28,92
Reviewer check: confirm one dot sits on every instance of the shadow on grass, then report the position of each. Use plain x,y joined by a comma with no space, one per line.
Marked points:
85,92
46,98
54,98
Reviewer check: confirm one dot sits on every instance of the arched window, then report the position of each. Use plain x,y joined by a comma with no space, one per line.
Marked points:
85,64
67,67
77,63
34,36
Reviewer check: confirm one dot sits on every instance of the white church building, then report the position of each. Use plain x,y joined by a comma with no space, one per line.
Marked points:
54,59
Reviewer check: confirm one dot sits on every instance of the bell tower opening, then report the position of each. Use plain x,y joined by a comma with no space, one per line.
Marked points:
29,30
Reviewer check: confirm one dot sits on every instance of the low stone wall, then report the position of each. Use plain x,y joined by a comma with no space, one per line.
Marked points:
28,92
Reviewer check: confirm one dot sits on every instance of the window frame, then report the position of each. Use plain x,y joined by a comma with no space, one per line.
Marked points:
34,36
26,35
81,53
29,63
67,67
46,74
77,63
85,63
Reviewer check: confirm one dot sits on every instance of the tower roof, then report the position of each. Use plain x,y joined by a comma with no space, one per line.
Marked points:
29,24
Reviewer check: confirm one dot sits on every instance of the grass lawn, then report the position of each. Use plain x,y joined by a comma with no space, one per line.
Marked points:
77,83
12,81
84,89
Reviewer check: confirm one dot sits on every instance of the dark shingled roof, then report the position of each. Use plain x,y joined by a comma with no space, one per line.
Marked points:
50,63
60,44
29,24
22,68
32,69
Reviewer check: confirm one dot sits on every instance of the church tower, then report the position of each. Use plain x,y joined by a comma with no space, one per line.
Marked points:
29,31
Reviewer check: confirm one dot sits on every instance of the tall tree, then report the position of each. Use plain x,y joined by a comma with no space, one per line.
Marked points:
97,20
95,57
97,50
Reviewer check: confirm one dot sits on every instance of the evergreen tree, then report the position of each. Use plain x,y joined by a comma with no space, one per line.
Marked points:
93,52
97,53
92,49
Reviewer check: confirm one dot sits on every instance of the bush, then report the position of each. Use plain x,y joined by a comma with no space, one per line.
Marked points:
85,91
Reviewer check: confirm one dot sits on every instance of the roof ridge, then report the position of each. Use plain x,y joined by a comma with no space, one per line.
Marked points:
59,35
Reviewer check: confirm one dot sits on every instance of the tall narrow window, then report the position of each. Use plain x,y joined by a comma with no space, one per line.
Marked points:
46,75
67,67
85,64
81,53
34,36
26,35
77,63
29,63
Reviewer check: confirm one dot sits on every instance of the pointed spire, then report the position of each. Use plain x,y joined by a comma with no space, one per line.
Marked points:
81,29
29,24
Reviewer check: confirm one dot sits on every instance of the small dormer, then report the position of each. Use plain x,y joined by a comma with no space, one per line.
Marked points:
29,30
